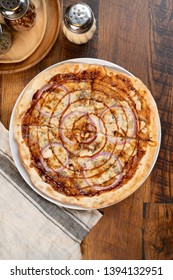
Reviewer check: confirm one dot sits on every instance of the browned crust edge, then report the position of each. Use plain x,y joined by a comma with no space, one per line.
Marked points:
106,198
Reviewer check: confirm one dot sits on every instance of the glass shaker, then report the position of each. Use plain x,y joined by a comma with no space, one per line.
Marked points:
79,23
18,14
5,39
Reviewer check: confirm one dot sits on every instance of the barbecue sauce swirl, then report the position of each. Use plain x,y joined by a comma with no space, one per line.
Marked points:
69,133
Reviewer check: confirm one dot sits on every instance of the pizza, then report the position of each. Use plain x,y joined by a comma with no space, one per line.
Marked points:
86,134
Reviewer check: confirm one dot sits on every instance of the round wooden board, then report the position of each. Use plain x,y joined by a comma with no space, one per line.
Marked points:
26,42
51,34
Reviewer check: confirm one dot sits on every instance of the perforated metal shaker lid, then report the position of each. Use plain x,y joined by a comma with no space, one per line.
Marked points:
78,18
13,9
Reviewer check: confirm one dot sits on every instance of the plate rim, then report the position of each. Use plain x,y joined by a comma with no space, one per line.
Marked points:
14,146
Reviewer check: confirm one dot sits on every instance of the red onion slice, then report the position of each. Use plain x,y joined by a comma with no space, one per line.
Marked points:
107,154
64,138
90,140
41,90
46,87
109,108
92,121
115,183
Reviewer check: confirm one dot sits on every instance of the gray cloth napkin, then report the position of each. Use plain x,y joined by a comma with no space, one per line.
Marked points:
32,227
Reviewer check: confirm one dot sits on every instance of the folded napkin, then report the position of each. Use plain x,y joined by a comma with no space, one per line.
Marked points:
32,227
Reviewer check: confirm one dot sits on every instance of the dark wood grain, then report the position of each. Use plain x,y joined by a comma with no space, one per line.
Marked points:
161,83
139,39
118,235
158,231
138,35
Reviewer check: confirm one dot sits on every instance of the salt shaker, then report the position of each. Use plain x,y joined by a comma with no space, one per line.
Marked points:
79,23
5,39
20,15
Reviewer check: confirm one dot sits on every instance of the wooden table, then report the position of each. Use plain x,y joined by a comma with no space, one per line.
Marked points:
137,35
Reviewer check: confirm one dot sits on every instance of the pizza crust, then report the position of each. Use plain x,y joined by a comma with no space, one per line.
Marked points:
154,116
36,83
105,198
97,201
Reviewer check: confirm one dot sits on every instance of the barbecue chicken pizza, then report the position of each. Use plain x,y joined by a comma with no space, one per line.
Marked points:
87,135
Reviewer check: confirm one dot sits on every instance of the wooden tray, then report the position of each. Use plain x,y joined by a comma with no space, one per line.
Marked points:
50,36
26,42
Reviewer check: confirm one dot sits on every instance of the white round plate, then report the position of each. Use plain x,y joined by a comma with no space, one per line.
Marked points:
14,147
